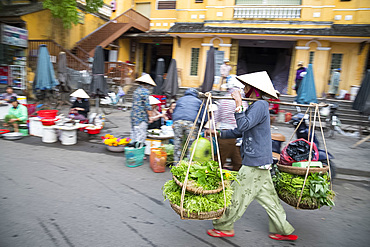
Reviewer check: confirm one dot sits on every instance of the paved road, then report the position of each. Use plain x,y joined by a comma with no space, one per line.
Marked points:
53,195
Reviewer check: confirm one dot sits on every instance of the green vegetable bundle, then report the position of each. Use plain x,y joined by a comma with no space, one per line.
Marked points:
205,175
196,203
168,148
316,192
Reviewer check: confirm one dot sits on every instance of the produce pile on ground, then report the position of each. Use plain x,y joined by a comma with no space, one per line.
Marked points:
208,176
316,192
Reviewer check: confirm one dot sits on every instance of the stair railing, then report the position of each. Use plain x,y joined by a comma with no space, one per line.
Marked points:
54,49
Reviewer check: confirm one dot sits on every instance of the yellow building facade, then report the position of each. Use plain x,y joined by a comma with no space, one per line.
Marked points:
255,35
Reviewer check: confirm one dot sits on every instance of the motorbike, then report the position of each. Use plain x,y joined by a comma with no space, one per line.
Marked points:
332,120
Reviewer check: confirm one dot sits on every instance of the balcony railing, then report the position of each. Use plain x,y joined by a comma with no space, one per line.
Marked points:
268,2
270,13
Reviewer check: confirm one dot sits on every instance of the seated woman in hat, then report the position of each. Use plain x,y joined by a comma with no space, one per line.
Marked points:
155,117
81,105
17,114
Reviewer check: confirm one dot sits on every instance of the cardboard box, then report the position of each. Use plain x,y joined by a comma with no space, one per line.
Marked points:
304,164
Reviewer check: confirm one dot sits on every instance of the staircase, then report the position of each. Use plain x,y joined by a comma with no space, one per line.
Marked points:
345,113
109,32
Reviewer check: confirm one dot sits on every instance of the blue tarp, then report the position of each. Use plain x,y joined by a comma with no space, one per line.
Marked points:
45,77
307,90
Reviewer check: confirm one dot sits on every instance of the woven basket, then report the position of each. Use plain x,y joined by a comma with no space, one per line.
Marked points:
292,201
301,170
191,187
198,216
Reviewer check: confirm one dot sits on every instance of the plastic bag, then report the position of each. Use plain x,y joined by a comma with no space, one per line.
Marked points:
120,92
158,159
298,150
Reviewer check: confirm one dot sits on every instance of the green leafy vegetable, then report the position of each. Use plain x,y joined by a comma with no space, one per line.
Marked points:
205,175
316,192
168,148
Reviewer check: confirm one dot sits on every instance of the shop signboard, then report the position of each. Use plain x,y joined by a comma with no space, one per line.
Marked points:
4,74
14,36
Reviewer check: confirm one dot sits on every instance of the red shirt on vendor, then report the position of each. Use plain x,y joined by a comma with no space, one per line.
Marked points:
274,108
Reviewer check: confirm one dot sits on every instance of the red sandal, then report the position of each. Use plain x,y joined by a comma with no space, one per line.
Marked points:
219,233
283,237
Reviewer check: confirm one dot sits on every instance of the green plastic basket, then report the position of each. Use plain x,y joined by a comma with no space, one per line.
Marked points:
135,155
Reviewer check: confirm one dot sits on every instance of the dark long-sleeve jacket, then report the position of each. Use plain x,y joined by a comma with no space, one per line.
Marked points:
298,73
253,126
187,107
83,103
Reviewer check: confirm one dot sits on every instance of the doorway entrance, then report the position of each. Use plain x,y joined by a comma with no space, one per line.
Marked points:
151,55
264,55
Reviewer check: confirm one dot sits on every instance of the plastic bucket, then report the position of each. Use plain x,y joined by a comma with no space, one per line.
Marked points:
49,135
48,122
93,131
35,126
354,91
47,113
169,123
68,137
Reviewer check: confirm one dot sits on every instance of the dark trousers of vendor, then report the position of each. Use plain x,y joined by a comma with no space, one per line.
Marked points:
228,149
182,129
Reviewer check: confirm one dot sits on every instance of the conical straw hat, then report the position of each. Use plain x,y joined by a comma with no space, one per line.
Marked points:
146,79
260,81
153,100
80,93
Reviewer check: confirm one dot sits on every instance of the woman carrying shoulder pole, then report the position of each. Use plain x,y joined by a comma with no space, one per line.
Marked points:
253,125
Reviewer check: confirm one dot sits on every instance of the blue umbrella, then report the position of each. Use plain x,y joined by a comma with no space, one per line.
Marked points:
307,90
45,77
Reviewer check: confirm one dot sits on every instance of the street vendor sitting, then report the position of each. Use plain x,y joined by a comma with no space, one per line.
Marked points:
155,117
81,105
9,93
17,114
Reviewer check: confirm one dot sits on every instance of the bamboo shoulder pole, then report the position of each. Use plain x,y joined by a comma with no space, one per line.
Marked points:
269,101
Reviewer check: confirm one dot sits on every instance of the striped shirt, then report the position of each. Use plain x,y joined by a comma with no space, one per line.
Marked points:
224,116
